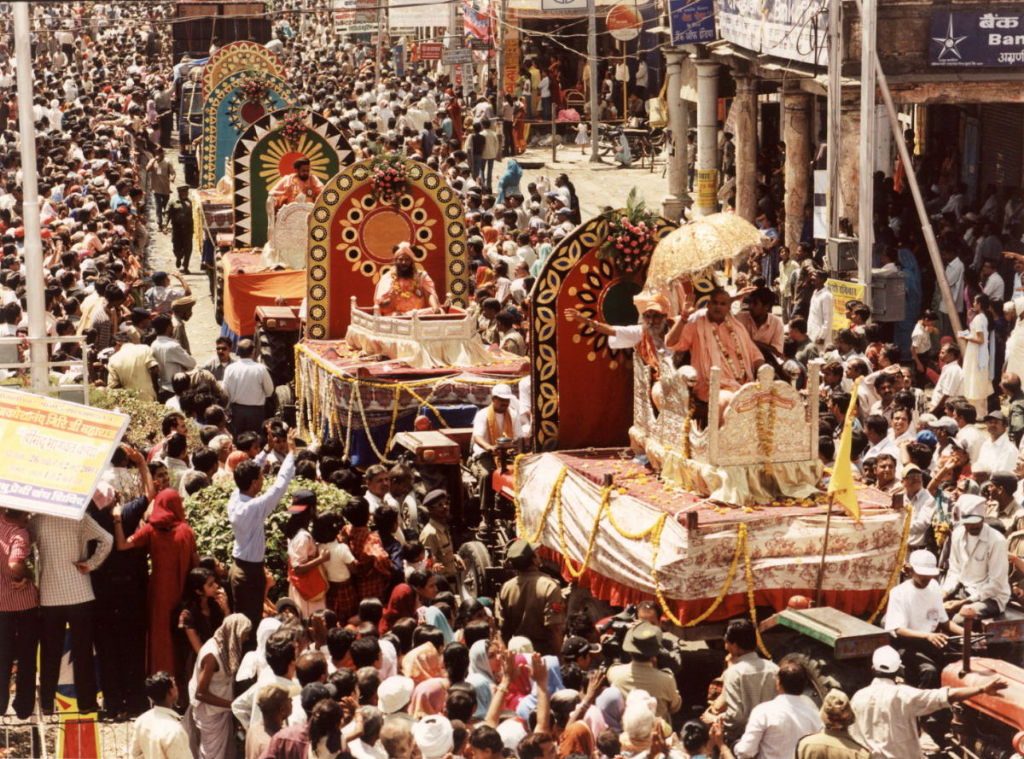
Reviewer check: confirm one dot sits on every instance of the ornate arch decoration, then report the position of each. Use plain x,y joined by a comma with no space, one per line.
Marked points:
239,56
266,152
352,234
228,111
576,375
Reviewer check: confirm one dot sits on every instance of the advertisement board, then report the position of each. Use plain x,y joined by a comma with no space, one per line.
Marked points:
788,29
692,21
54,452
971,38
842,293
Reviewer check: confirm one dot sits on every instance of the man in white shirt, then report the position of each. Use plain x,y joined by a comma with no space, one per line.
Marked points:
491,423
922,502
951,380
970,437
998,453
248,385
877,430
169,354
978,575
887,713
776,726
280,670
917,617
158,733
955,277
819,319
993,284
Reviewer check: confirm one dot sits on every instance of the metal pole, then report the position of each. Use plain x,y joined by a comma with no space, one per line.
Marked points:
33,250
707,132
595,114
866,201
835,111
824,550
915,190
380,45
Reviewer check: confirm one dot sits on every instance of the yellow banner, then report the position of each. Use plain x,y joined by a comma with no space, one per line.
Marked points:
842,293
54,452
707,189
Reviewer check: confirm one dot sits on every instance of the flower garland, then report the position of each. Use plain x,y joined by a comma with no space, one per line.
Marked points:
294,127
766,430
630,239
254,88
736,373
605,503
687,424
556,492
749,571
897,567
389,178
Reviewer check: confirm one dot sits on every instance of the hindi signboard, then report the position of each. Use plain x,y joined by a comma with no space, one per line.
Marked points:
964,39
355,16
431,51
707,188
412,13
842,293
624,22
783,29
458,55
692,21
54,452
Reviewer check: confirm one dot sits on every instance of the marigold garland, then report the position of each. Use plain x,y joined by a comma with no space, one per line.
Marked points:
766,430
897,567
749,570
578,573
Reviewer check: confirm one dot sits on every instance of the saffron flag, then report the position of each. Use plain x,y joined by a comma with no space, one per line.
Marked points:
841,487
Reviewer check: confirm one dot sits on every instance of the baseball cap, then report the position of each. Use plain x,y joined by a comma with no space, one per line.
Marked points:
433,496
997,415
502,391
574,646
910,469
927,437
886,659
302,500
972,508
945,424
923,562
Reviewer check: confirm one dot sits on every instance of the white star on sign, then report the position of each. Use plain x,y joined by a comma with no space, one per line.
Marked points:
949,42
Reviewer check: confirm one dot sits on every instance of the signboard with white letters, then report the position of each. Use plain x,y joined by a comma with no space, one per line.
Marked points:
964,39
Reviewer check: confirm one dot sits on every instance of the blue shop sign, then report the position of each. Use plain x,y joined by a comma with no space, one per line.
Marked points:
692,21
972,38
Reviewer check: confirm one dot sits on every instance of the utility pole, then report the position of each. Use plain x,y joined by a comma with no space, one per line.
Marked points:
33,241
866,200
835,111
380,45
595,115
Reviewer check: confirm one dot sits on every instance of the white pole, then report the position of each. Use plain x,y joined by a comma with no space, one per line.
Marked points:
835,111
866,200
595,115
33,242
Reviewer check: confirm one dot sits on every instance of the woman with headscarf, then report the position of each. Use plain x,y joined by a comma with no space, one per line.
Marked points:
254,662
210,690
172,548
429,698
481,673
638,723
402,604
509,182
555,684
521,685
436,618
422,663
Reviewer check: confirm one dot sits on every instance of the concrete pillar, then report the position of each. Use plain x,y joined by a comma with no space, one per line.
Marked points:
745,110
849,161
707,138
796,133
678,199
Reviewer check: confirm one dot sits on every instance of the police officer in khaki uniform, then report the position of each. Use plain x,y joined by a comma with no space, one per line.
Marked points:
530,604
642,643
437,538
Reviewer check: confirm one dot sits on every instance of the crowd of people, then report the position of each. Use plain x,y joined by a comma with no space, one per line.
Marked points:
373,651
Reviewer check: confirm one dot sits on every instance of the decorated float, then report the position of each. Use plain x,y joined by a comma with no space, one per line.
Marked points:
711,512
363,376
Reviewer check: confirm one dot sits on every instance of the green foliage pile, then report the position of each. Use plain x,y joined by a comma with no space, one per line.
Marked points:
146,416
206,512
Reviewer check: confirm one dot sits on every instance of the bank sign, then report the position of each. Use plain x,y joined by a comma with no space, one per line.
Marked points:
692,21
965,39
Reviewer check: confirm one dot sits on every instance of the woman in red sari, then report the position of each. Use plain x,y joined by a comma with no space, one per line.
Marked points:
172,547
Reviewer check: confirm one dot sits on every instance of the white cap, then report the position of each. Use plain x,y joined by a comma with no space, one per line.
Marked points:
434,736
502,391
972,508
923,562
394,693
886,659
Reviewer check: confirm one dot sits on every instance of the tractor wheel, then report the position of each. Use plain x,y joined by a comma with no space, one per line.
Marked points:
218,295
474,580
276,351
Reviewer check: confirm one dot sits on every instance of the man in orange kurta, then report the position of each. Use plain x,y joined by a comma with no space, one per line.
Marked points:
716,338
300,187
404,289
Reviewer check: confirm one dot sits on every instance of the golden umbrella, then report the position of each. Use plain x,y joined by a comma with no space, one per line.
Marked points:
694,247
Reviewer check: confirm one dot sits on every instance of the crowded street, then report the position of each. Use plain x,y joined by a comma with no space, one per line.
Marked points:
502,379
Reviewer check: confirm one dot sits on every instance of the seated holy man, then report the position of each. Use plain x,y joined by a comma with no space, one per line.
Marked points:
404,289
299,187
714,337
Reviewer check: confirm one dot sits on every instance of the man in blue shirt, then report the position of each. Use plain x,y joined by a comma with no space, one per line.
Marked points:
248,510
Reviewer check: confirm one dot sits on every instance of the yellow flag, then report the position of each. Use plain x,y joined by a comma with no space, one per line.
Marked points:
841,486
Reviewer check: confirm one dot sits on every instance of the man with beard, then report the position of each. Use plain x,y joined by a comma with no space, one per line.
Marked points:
300,187
404,288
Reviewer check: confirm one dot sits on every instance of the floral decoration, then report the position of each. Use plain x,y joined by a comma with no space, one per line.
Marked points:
294,126
389,177
630,239
254,88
